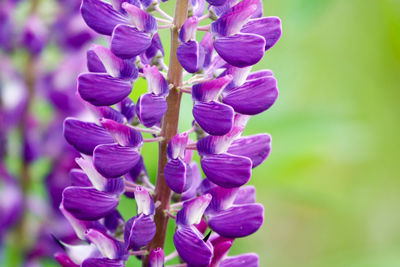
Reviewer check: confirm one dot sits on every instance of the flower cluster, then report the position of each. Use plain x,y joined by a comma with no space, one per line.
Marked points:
225,95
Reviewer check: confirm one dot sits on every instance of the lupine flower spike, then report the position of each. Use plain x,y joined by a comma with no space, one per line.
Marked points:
210,212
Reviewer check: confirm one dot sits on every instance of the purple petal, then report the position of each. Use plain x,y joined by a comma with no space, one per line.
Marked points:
129,42
227,170
156,258
94,63
222,198
64,260
255,147
216,2
232,21
96,179
102,262
253,97
115,66
157,84
79,178
139,231
144,201
128,109
101,16
177,146
221,248
248,260
196,180
270,28
113,220
210,90
88,204
156,49
109,113
198,7
191,247
246,195
85,136
188,31
208,47
151,109
80,227
101,89
113,160
175,173
215,118
237,221
191,56
123,134
107,245
192,210
259,74
241,50
142,20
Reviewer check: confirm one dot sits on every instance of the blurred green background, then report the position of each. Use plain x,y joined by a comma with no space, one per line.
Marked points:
331,186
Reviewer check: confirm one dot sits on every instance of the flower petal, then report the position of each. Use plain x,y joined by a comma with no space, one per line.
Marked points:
123,134
208,47
237,221
232,21
215,118
101,16
175,173
210,90
139,231
151,109
101,89
108,246
270,28
144,201
127,109
157,84
88,204
188,30
227,170
115,66
79,178
196,180
85,136
197,7
102,262
192,210
259,74
142,20
246,195
241,50
113,160
255,147
248,260
253,97
94,63
191,56
191,247
156,258
129,42
177,145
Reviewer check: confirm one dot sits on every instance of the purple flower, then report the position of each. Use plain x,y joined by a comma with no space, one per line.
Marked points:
225,95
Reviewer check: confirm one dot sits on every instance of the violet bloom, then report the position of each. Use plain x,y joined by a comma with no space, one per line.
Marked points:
225,94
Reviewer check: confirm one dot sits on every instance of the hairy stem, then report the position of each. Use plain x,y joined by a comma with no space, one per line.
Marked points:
169,130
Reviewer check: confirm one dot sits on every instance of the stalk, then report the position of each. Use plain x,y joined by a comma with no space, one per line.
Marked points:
169,130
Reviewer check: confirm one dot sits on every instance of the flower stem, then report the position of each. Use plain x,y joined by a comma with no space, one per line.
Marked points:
169,130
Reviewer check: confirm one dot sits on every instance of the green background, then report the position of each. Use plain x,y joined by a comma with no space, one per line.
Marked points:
331,186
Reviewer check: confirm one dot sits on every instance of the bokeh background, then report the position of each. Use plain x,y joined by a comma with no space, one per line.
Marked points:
331,186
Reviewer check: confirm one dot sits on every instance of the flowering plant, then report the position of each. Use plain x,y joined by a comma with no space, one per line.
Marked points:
209,213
